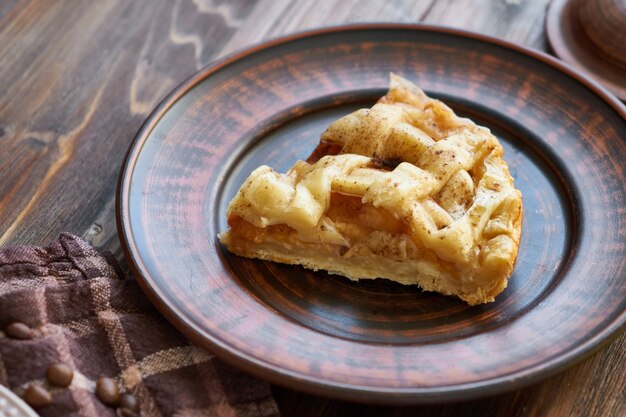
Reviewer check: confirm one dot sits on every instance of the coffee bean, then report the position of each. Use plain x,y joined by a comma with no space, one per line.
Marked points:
129,401
59,374
107,390
125,412
20,331
37,396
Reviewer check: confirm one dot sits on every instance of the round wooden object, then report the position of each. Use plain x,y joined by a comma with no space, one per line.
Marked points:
591,36
565,143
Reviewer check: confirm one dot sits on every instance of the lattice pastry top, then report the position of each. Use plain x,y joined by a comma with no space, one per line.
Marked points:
407,182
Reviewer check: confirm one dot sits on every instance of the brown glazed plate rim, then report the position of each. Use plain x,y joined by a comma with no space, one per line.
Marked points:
283,375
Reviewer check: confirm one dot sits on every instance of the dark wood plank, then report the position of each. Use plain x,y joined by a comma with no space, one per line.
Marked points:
78,78
514,20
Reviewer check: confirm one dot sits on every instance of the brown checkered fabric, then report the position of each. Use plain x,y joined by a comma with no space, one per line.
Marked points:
86,315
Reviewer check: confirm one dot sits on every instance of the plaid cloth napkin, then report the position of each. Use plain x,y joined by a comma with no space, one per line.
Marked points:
86,315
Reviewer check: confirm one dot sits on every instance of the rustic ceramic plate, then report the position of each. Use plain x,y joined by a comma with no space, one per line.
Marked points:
565,142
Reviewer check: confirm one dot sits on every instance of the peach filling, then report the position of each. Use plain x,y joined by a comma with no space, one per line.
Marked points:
353,219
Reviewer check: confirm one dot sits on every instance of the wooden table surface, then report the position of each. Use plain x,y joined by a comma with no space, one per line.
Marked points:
78,77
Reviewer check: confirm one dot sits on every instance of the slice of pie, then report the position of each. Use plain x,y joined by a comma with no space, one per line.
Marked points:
406,190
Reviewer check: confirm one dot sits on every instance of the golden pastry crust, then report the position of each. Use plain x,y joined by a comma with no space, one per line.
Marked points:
406,191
